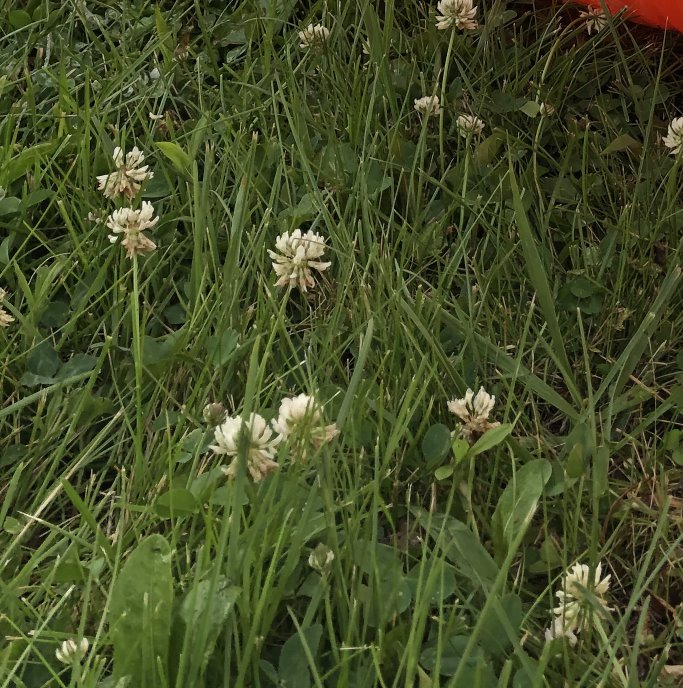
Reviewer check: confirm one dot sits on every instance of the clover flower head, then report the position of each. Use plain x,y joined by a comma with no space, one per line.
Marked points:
313,36
301,417
578,584
469,125
321,559
213,413
582,597
295,258
428,106
131,224
474,410
458,13
596,19
5,317
72,652
261,443
674,137
129,175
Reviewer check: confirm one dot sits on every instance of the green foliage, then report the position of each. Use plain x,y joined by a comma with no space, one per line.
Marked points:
206,606
436,442
517,504
296,656
446,658
140,614
673,443
461,547
176,502
500,627
221,347
580,293
540,260
490,439
178,157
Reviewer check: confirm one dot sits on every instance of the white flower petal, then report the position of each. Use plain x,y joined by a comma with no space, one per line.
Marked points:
128,177
428,106
132,223
262,444
458,13
296,258
468,125
674,138
313,36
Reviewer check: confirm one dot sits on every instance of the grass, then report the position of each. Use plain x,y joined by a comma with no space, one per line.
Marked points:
542,261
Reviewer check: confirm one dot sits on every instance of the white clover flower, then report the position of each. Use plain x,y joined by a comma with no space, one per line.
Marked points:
5,317
261,445
296,255
596,19
131,224
72,652
474,410
674,137
129,176
469,125
302,417
428,105
321,559
547,110
559,629
579,585
313,36
581,597
458,13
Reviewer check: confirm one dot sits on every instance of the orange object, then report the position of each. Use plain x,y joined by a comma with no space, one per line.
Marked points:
665,14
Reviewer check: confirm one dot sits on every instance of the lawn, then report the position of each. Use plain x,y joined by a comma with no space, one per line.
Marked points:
342,345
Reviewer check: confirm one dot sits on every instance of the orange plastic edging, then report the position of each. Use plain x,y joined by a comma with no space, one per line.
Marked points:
665,14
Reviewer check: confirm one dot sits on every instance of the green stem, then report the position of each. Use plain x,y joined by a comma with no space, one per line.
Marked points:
444,79
137,359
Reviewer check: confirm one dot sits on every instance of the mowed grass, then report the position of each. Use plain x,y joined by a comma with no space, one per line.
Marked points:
541,260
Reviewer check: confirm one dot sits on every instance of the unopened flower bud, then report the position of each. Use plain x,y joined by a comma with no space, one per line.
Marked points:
321,559
214,413
72,652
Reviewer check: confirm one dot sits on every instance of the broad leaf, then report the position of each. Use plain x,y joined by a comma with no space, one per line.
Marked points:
436,443
461,547
77,365
445,656
161,349
501,625
140,613
221,347
444,472
490,439
293,667
518,504
205,612
178,157
176,502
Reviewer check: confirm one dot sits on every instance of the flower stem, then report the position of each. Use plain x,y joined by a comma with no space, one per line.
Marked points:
444,78
137,359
